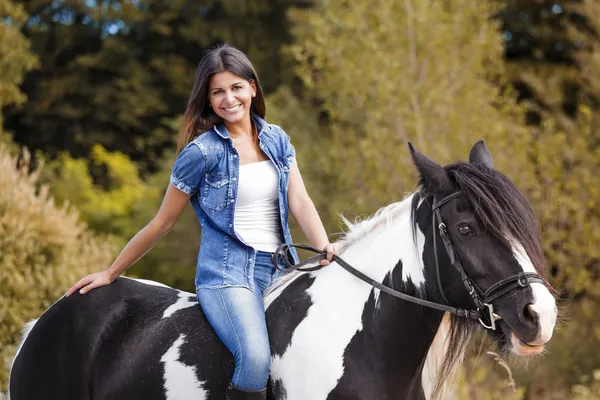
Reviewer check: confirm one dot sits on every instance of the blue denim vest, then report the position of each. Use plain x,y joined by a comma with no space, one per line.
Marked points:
208,170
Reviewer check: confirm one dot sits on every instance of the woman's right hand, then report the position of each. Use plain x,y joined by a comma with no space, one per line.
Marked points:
90,282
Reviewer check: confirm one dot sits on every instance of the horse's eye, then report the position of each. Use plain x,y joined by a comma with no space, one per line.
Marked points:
465,229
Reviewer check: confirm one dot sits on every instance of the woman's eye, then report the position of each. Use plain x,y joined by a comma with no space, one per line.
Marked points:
237,87
465,229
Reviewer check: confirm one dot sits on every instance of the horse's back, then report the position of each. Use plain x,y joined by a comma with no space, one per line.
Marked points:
126,340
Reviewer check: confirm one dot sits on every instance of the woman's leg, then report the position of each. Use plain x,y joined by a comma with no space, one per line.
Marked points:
238,317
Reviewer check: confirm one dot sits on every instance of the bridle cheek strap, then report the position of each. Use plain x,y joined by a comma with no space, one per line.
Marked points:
481,299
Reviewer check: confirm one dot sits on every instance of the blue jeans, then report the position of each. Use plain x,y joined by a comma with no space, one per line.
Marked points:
238,317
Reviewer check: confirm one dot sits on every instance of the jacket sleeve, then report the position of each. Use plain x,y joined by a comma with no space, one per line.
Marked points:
288,148
188,169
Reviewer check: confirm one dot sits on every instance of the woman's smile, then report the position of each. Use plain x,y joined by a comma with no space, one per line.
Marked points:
232,109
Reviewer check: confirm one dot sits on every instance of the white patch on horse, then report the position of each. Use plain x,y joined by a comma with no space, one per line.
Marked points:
148,282
314,361
184,300
435,357
180,379
544,303
396,216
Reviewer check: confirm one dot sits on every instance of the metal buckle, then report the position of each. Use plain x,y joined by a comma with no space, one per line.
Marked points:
522,280
469,286
490,309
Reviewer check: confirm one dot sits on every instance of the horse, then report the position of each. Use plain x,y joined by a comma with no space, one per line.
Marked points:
460,253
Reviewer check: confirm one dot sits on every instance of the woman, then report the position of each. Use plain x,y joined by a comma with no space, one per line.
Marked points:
241,177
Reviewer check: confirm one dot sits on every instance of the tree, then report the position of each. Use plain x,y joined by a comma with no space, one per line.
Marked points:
552,55
118,73
387,72
15,58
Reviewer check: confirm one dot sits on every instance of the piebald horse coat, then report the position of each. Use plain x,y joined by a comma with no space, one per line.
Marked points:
333,336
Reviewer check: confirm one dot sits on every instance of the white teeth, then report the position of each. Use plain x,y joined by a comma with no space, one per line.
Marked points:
230,109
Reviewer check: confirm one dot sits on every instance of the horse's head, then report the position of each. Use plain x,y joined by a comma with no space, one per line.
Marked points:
475,219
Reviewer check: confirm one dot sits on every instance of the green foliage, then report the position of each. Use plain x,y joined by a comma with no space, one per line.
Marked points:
15,56
384,77
588,389
566,194
44,249
487,377
108,205
120,203
389,72
553,56
117,73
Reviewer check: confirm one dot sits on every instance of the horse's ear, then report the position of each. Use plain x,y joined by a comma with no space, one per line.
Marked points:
433,176
480,155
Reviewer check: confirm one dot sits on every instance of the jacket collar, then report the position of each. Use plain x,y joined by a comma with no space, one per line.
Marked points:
261,125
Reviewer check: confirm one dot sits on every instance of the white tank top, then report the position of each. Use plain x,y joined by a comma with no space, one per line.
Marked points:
256,218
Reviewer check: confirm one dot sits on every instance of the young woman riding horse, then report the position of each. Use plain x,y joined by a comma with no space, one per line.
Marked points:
241,177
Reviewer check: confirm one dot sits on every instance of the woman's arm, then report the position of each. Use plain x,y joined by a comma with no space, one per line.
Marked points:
303,210
172,206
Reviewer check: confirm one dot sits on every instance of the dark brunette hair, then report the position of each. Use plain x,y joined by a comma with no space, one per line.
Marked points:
198,115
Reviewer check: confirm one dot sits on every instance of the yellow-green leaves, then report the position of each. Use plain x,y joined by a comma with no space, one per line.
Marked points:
15,55
44,249
106,205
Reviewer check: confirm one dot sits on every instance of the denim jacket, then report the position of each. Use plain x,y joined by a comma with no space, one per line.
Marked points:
208,170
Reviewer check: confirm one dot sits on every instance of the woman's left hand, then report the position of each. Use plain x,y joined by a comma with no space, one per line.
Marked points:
331,249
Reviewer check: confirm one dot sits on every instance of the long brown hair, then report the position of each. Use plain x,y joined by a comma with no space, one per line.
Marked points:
198,115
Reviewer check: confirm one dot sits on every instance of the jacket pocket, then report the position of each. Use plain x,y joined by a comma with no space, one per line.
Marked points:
215,192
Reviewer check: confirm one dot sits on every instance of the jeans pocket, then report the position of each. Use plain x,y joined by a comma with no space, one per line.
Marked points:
215,193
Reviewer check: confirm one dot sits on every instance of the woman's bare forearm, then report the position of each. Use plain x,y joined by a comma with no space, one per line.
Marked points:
137,247
310,222
171,208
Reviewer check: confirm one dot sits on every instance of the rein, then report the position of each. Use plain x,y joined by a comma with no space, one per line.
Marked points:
482,300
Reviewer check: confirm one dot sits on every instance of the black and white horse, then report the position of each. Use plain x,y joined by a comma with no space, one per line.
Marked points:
333,336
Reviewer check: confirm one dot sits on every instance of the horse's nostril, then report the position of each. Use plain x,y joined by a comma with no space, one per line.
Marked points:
530,313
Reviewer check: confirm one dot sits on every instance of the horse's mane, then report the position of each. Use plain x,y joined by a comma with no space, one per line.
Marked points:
356,231
360,228
504,212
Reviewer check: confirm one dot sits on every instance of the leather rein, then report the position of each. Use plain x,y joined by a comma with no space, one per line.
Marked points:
484,311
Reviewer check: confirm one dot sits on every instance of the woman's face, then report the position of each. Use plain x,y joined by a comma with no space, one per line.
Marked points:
230,96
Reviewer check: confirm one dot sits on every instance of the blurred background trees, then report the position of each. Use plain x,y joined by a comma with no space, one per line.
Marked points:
96,89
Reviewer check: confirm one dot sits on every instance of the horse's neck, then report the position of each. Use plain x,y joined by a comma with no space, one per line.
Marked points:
348,324
376,246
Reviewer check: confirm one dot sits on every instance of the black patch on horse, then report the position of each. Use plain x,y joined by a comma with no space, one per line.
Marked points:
377,359
287,312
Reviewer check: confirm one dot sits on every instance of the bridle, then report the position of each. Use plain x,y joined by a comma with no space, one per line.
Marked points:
484,311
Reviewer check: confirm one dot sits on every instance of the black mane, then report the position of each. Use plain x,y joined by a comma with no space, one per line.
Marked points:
500,207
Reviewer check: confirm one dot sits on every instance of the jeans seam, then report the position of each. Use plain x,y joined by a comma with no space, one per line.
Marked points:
237,339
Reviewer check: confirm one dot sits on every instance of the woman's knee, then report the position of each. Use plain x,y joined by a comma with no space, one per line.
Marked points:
257,353
252,368
256,360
